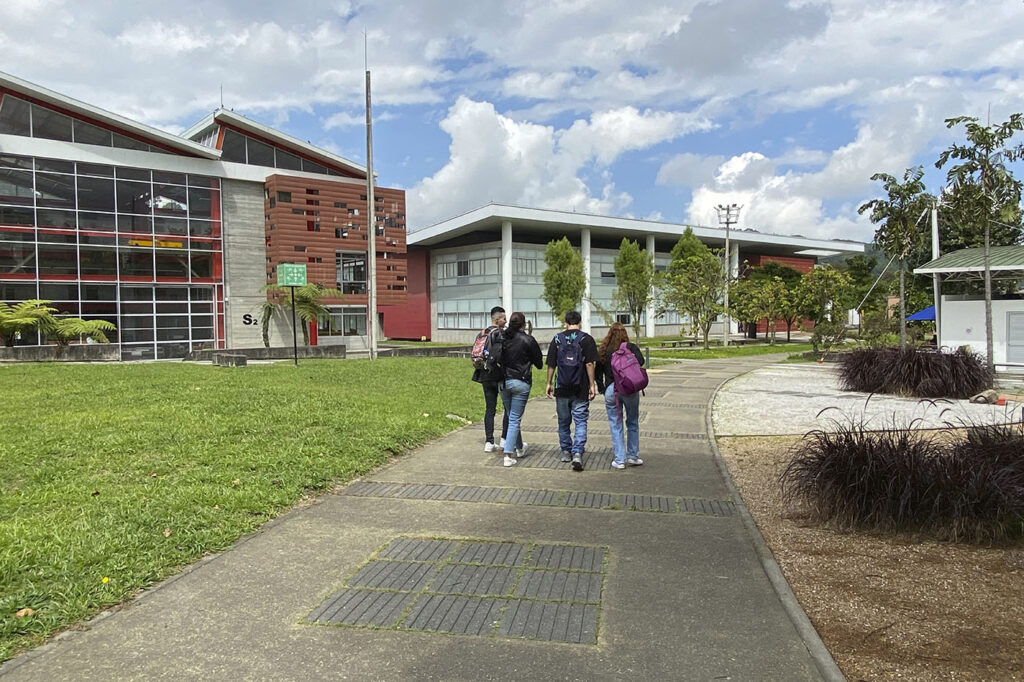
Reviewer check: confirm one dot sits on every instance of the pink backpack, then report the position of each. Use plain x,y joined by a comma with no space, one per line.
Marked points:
627,373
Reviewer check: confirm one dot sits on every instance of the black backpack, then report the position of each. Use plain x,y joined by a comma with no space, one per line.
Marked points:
570,358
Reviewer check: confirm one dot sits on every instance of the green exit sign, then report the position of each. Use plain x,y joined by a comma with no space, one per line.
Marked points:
290,275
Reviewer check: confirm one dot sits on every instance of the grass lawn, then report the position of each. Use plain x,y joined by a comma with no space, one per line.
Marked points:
113,477
730,352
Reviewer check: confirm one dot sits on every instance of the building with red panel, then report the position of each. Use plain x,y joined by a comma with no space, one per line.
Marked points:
172,238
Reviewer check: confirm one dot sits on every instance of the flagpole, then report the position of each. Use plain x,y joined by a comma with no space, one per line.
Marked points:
371,226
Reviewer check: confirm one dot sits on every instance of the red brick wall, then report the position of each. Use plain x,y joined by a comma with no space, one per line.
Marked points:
804,265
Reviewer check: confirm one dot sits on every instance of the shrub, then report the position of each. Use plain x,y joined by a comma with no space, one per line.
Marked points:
828,334
917,372
968,487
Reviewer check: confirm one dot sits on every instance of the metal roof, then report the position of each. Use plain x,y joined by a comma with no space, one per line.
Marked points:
276,136
78,108
1005,262
552,224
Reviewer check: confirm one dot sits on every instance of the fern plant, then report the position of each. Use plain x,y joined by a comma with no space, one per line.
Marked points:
66,329
31,315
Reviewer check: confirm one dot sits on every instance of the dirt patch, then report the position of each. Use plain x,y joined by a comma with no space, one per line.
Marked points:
889,608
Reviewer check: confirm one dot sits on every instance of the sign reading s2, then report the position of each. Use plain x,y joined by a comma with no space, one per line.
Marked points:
248,320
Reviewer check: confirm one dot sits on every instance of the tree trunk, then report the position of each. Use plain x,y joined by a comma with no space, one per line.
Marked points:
903,306
989,356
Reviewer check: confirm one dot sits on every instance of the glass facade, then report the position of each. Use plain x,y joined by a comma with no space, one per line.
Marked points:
140,248
347,321
242,148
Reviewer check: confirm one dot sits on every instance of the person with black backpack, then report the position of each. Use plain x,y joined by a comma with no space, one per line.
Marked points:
571,357
620,378
519,354
487,373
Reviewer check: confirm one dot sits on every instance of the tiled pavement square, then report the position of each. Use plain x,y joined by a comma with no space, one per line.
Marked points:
524,590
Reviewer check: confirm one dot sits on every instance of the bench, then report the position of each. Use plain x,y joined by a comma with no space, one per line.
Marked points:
229,360
677,343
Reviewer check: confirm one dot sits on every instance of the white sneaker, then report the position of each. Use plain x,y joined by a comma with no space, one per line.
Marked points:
501,444
488,447
509,461
521,452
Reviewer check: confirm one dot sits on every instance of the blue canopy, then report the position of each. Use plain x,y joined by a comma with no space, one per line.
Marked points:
926,314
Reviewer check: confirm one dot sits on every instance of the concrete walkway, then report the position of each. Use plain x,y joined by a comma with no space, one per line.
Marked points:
446,565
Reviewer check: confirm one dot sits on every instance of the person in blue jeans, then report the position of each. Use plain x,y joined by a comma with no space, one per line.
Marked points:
519,354
626,446
571,357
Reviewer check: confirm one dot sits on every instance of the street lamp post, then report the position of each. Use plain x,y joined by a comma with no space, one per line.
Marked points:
727,215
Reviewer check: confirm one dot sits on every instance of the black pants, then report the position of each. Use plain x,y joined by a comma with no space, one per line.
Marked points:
490,407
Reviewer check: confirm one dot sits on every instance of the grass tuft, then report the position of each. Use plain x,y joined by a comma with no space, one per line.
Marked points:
916,372
959,484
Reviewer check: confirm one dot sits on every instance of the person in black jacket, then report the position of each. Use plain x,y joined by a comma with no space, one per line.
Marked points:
490,379
519,354
625,446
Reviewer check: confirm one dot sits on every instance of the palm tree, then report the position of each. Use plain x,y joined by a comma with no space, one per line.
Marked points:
308,306
67,329
32,315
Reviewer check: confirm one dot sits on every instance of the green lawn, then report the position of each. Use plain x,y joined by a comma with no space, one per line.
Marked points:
730,352
113,477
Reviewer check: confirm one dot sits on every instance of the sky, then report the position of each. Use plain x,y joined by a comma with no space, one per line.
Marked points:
654,110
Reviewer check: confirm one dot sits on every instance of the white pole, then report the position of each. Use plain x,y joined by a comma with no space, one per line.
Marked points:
371,239
585,304
936,279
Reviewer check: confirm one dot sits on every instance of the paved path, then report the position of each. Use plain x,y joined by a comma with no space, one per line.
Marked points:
446,565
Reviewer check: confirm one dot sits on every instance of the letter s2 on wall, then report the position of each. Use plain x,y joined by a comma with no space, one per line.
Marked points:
249,320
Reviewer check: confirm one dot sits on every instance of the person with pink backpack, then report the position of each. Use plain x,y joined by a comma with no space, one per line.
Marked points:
621,377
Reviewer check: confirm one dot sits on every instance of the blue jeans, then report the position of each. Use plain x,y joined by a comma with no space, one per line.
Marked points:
628,447
491,390
514,395
572,410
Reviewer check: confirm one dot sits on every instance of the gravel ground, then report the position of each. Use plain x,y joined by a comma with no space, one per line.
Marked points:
786,399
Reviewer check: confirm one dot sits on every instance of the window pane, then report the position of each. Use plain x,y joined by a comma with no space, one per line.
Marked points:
168,177
136,262
87,133
14,116
48,217
58,259
55,190
140,174
50,124
171,264
199,203
100,222
98,260
58,292
200,228
133,197
311,167
95,194
170,200
171,293
14,215
233,148
124,142
259,154
99,292
202,265
95,169
17,258
176,226
140,224
203,181
289,161
55,166
16,186
135,335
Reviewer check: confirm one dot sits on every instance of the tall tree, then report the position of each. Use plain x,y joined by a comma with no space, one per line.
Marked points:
899,233
564,279
763,297
693,284
824,297
787,308
983,163
634,275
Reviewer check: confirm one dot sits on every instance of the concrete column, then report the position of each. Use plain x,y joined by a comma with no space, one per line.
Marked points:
506,266
649,327
734,270
585,252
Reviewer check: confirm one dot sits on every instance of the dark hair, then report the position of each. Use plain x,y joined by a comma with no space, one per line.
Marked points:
517,322
616,335
495,310
573,317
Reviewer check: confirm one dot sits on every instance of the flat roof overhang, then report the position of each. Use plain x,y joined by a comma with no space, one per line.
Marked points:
968,265
551,224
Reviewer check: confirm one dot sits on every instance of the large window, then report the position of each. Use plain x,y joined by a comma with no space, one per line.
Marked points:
351,272
241,148
18,117
344,321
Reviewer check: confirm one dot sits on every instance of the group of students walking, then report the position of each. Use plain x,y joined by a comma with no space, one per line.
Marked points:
578,370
